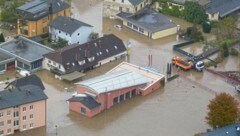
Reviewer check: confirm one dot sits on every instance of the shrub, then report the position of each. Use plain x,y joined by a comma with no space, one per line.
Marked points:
206,27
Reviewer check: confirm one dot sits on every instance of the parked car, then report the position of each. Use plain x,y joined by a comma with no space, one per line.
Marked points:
237,88
24,73
118,27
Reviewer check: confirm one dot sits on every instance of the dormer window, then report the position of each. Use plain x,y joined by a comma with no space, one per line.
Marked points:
91,59
95,44
115,47
97,54
107,50
100,53
73,64
81,62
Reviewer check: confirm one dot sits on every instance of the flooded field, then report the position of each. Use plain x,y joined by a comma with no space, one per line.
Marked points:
177,109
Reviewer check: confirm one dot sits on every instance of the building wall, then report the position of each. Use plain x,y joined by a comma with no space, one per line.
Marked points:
76,107
156,85
5,119
214,16
111,8
180,6
83,37
107,60
38,112
164,33
132,27
40,26
48,64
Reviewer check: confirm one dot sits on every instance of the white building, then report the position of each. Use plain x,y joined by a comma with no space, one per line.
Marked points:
72,30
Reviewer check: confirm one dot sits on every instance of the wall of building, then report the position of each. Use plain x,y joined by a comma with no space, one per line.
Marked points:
7,128
38,112
153,87
164,33
48,64
130,25
180,6
81,35
214,16
76,107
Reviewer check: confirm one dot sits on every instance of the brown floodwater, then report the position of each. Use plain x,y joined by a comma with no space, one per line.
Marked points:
177,109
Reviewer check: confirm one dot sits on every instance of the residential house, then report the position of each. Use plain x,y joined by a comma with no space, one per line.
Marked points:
220,8
123,82
149,23
230,130
25,54
70,29
35,16
112,7
85,56
21,109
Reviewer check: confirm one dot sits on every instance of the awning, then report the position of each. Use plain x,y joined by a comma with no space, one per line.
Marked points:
72,76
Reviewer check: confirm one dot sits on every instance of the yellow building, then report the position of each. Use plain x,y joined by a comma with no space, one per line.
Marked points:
37,15
150,23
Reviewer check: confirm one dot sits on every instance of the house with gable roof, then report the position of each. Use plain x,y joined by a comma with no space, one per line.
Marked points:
112,7
70,29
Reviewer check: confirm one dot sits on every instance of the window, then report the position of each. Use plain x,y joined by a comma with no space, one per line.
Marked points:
78,34
136,9
120,8
127,9
135,27
141,30
24,127
127,95
9,122
1,124
9,113
24,118
31,125
91,59
31,107
24,109
121,97
9,131
81,62
16,123
129,24
83,110
1,114
49,61
115,100
122,1
133,92
59,66
59,32
107,50
31,116
15,114
115,47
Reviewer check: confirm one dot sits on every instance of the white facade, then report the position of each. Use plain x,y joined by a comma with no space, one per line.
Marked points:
50,64
80,36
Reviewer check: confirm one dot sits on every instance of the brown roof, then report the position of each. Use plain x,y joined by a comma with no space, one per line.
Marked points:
100,48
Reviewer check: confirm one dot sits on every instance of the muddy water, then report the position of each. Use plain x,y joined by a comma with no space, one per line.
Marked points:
178,109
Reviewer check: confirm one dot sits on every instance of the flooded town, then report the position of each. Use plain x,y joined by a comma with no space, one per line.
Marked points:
113,54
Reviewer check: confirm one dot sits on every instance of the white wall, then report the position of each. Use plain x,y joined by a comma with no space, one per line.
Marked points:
46,65
84,32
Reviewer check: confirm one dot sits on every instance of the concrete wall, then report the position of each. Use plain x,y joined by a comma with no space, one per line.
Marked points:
153,87
164,33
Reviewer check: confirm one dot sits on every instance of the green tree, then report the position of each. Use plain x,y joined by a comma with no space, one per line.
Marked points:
194,33
227,29
2,39
193,12
223,110
206,27
60,43
9,13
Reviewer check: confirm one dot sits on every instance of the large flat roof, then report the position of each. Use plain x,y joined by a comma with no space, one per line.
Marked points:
114,81
151,75
148,19
25,49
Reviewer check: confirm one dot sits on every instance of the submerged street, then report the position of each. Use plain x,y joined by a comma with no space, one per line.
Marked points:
177,109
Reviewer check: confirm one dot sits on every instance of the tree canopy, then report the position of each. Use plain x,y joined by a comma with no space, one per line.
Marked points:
60,43
227,28
223,110
193,12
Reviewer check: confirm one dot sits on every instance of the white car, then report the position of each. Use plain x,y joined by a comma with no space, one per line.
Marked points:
24,73
237,88
119,27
